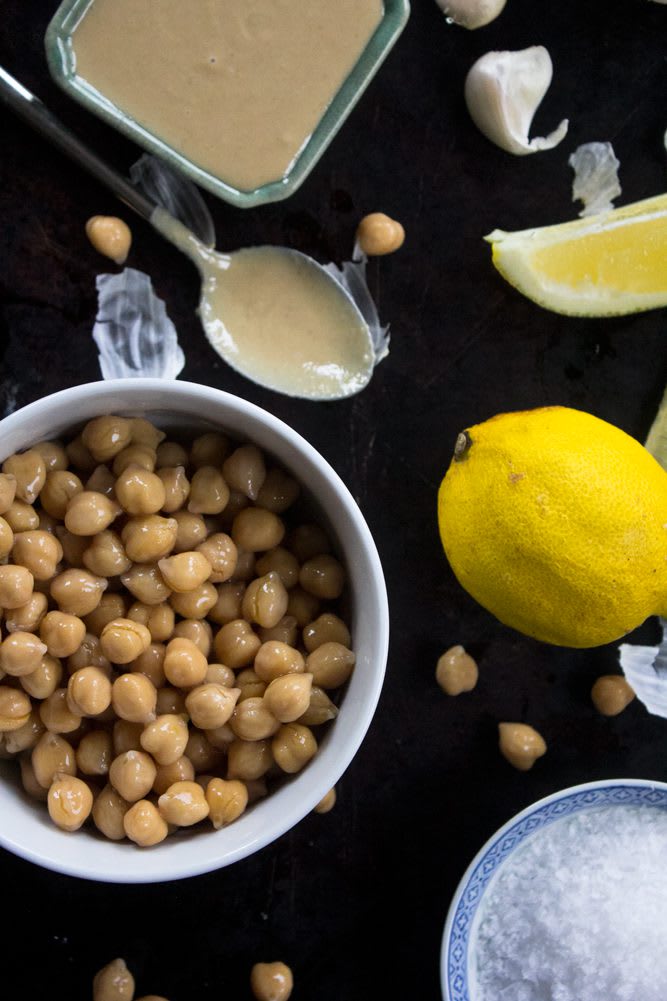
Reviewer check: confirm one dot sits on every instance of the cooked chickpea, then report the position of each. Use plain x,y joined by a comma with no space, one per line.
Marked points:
220,674
227,799
286,631
456,671
144,432
208,491
211,706
88,692
278,491
56,714
6,538
330,665
197,630
7,491
185,665
185,571
79,456
29,782
21,653
166,738
521,744
134,698
29,471
248,759
38,551
52,755
47,523
176,487
146,584
245,566
25,737
327,628
288,697
203,755
378,234
15,708
105,437
308,540
222,555
126,736
265,600
135,454
122,640
171,453
74,546
302,606
254,529
114,983
611,694
139,491
271,981
89,654
106,556
221,737
70,802
16,586
148,538
59,488
90,512
322,576
26,618
53,454
327,803
209,449
63,633
320,710
78,592
21,517
170,700
274,659
293,746
109,809
251,685
158,619
191,530
235,644
110,236
253,720
95,753
228,604
45,679
282,562
144,825
102,481
150,663
195,604
181,770
132,775
183,804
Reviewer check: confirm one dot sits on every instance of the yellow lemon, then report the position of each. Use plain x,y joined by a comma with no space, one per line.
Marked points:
610,263
556,522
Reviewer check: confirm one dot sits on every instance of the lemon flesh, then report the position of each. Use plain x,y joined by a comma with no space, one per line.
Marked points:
556,522
608,264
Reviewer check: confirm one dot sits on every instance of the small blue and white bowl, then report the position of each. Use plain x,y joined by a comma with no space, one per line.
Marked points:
457,954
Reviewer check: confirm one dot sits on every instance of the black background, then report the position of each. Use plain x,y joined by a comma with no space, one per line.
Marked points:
355,901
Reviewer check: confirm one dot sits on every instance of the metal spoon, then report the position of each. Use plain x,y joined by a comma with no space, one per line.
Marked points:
272,313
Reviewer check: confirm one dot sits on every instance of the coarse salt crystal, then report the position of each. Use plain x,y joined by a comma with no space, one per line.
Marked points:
578,912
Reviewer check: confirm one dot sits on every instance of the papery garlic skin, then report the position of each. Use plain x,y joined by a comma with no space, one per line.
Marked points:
503,90
473,14
595,181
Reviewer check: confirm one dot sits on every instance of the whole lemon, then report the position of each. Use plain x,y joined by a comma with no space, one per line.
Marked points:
556,522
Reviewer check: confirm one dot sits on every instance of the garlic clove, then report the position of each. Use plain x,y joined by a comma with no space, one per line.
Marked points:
503,90
472,14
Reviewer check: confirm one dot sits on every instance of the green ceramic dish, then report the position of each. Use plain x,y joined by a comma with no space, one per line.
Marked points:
61,62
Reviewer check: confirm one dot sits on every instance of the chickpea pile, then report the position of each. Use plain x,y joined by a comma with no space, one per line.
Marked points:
268,982
170,634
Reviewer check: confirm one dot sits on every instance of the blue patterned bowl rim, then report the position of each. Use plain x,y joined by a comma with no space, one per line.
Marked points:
456,937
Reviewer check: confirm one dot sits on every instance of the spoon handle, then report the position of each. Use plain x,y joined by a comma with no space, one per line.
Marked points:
31,110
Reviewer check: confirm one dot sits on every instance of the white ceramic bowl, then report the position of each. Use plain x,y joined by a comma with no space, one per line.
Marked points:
25,827
457,952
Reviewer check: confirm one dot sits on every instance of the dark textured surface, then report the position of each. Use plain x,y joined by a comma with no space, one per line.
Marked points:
355,900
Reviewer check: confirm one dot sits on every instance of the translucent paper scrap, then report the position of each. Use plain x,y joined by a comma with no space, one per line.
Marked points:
352,277
134,336
595,182
175,193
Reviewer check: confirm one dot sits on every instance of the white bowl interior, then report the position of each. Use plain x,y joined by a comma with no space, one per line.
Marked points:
25,827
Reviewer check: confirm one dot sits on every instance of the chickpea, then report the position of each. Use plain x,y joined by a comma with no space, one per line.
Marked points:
245,471
16,586
144,825
170,700
278,491
144,432
7,491
293,746
327,803
271,981
181,770
286,631
78,592
221,737
26,618
208,491
132,775
302,606
109,809
89,654
274,659
88,692
60,486
47,523
211,706
288,697
251,685
6,538
45,679
253,720
21,653
126,736
203,755
248,759
52,755
170,453
105,437
110,236
70,802
79,456
227,799
308,540
228,603
320,710
209,449
38,551
29,471
90,512
134,698
197,630
611,694
25,737
185,665
255,529
185,571
235,644
237,502
195,604
53,454
521,744
191,530
139,491
148,538
221,554
135,454
327,628
95,753
56,714
265,600
330,665
106,556
322,576
456,671
166,738
282,562
63,633
111,606
150,664
158,619
378,234
146,584
176,487
122,640
102,481
183,804
74,546
219,674
30,783
15,709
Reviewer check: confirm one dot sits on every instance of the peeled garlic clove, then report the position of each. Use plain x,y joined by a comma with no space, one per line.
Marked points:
503,90
473,13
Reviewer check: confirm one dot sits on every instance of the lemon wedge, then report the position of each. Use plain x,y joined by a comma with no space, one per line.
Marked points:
604,265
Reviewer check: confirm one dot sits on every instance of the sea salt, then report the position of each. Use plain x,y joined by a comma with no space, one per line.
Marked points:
578,912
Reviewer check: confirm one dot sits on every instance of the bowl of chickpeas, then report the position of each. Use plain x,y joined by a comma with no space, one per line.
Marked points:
194,630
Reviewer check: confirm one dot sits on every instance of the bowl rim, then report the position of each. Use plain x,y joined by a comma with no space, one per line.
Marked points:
331,770
61,63
579,790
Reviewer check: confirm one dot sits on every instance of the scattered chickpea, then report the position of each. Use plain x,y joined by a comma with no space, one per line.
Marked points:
271,981
110,236
611,694
456,671
521,744
327,802
378,234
